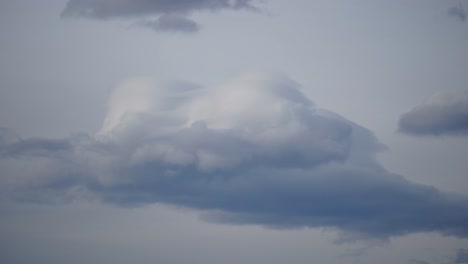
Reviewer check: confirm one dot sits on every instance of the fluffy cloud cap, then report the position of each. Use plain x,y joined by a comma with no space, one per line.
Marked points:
441,114
253,151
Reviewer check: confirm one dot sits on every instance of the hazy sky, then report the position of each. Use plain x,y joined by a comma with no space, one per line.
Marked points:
243,131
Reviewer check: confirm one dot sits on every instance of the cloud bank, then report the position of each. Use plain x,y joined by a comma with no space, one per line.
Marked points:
172,15
252,151
441,114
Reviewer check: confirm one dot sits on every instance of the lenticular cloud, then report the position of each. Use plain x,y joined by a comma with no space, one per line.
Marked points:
252,151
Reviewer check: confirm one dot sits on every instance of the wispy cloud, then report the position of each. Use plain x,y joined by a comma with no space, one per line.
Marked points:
170,23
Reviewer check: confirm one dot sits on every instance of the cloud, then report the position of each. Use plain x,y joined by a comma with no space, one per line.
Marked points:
458,12
441,114
253,151
462,256
172,23
172,15
103,9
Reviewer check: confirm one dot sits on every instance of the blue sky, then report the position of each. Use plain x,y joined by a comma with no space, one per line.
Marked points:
209,131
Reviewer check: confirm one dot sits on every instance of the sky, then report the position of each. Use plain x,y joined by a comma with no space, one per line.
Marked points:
233,131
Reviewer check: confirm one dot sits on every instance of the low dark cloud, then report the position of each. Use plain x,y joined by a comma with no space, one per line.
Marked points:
441,114
172,14
254,151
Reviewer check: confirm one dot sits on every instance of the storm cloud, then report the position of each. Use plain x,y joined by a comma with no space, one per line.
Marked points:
252,151
172,15
443,113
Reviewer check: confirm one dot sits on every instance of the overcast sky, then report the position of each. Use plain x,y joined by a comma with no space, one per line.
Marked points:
242,131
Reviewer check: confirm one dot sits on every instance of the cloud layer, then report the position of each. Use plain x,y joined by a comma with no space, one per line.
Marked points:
172,15
441,114
253,151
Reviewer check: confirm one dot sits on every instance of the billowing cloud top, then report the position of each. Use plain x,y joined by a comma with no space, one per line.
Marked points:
444,113
172,14
253,151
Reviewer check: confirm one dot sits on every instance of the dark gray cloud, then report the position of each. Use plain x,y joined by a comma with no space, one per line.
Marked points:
103,9
35,147
170,23
172,14
7,136
441,114
254,151
458,12
462,256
